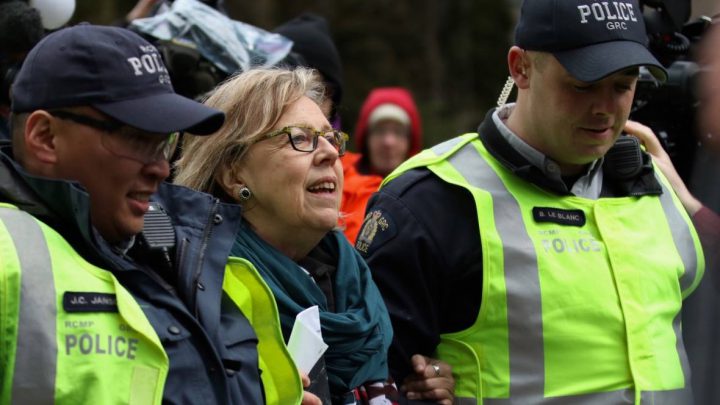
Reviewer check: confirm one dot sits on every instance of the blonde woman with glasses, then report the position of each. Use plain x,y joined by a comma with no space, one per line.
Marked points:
278,157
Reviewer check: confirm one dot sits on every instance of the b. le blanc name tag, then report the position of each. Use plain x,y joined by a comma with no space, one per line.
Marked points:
559,216
89,302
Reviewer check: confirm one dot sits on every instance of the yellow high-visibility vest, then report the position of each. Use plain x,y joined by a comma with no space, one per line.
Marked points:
581,298
51,351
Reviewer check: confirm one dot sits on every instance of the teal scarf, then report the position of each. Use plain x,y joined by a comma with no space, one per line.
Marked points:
358,333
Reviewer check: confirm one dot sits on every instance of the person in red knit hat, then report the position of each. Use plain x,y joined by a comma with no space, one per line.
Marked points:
388,131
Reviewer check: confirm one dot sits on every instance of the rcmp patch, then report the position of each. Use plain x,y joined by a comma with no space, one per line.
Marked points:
378,228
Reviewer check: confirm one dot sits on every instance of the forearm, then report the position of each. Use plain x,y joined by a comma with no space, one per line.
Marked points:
707,224
692,205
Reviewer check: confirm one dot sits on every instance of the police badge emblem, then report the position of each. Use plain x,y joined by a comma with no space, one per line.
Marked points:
373,222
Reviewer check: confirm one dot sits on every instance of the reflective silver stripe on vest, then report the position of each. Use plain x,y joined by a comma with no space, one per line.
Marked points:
527,357
682,237
627,396
36,354
444,147
687,394
527,363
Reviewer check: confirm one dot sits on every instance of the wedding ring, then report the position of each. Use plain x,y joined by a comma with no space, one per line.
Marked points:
437,370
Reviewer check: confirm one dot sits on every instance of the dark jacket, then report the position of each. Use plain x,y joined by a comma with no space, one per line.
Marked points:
209,342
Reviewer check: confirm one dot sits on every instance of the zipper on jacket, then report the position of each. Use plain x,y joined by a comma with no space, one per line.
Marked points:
201,256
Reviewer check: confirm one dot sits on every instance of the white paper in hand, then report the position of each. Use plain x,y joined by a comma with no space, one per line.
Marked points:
306,345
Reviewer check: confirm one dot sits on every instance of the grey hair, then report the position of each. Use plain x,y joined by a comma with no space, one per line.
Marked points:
253,103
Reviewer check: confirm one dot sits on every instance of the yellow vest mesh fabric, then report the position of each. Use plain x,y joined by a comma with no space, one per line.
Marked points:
116,357
101,357
9,308
249,292
599,304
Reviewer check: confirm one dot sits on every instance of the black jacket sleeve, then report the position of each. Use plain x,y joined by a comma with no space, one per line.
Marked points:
421,241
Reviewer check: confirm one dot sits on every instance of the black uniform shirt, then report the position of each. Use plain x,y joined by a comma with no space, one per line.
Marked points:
441,270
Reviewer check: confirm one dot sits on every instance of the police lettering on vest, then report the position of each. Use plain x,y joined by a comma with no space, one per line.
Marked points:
557,241
616,13
110,345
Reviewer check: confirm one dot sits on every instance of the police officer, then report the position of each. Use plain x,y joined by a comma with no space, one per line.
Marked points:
101,304
542,257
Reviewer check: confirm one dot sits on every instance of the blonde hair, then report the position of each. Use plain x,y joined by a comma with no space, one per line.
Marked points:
253,103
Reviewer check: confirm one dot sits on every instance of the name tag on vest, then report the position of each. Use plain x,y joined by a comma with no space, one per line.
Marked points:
89,302
559,216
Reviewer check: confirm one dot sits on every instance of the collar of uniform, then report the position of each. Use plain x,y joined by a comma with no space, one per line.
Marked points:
594,184
62,205
57,201
588,185
495,135
14,190
120,248
532,155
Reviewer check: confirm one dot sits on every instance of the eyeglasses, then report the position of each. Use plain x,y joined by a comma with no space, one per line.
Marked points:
305,139
125,141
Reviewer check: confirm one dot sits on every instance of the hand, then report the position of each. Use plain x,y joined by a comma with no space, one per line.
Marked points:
662,160
308,398
432,380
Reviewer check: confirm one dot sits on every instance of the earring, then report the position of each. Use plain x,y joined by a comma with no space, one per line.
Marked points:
244,193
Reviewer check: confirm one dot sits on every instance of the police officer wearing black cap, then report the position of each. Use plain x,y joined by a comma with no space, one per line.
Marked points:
543,257
115,288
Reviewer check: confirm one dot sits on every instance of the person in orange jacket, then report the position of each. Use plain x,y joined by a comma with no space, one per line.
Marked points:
388,131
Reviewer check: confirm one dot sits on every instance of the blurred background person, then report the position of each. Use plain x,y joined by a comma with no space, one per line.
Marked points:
709,86
701,331
278,157
700,312
387,132
314,47
22,25
20,29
